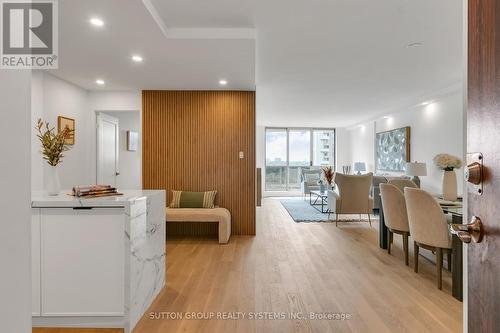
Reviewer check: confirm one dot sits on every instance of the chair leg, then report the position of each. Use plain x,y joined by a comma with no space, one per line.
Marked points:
448,258
415,255
405,247
370,220
439,266
389,242
336,219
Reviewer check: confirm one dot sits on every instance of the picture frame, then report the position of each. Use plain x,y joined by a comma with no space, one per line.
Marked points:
392,149
65,122
132,140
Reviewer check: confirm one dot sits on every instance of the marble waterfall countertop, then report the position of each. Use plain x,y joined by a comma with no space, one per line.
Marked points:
144,237
43,200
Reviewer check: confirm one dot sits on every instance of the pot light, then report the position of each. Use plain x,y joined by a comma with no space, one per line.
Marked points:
97,22
137,58
99,82
222,82
425,103
386,117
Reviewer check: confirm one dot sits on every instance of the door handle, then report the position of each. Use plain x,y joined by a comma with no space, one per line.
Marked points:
472,231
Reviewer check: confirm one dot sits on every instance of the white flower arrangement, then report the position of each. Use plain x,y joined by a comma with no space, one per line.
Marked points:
447,162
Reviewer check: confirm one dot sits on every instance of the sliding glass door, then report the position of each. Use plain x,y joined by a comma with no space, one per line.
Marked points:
276,159
323,149
290,149
299,152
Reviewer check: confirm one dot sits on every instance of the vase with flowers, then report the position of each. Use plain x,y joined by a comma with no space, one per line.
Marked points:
328,174
53,144
448,163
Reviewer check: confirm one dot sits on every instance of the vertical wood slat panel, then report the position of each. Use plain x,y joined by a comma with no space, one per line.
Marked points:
192,141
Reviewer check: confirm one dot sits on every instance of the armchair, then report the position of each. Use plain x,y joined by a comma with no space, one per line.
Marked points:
309,180
351,196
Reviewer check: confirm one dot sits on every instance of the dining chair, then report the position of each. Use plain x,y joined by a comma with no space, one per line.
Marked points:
401,183
428,227
395,216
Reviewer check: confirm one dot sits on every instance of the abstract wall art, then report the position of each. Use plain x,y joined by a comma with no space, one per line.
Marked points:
392,149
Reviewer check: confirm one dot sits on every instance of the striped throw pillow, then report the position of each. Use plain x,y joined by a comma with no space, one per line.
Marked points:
186,199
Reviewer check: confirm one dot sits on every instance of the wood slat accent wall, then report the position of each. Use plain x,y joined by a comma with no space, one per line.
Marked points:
192,140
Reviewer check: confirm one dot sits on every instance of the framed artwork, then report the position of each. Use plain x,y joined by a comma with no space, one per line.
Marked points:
132,140
392,149
63,122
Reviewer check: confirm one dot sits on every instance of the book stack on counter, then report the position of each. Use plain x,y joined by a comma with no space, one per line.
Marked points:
93,191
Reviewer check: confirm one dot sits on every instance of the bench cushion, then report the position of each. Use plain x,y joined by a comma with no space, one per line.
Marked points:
187,199
220,215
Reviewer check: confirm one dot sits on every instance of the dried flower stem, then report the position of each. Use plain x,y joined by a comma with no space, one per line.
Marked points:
53,143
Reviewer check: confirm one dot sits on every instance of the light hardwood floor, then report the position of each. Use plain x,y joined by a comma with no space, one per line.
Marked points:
300,267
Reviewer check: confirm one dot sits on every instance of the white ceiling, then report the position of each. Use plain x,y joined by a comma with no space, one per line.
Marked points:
313,63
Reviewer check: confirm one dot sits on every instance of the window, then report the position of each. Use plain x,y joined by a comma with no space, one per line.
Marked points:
276,159
288,150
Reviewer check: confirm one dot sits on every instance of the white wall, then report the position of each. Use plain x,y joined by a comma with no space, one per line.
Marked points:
343,154
362,147
129,161
435,128
61,98
36,113
53,97
15,198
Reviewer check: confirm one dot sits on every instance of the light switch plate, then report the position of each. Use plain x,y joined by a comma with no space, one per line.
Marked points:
242,155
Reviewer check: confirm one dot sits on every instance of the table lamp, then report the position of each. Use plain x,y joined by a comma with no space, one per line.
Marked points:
359,167
416,169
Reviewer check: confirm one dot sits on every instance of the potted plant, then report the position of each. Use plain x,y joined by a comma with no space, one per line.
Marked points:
53,145
448,163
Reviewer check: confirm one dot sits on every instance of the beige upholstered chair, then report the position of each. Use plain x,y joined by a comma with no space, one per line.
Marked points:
428,227
396,218
401,183
351,196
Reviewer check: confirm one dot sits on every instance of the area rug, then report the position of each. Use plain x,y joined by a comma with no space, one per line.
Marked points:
301,211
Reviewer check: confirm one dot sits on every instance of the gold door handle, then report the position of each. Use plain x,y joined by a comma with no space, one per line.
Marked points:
472,231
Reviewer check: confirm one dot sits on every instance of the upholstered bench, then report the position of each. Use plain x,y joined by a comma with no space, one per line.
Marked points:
220,215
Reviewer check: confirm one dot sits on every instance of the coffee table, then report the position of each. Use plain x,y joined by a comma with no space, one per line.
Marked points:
320,202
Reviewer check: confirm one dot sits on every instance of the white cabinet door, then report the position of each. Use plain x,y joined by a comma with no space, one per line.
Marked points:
35,262
82,262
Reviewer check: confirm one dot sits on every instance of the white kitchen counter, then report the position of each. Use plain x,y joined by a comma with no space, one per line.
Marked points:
42,200
97,262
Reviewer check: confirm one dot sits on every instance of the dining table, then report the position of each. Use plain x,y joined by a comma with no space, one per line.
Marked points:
455,210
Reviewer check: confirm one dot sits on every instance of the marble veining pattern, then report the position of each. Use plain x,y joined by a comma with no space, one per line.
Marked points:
147,256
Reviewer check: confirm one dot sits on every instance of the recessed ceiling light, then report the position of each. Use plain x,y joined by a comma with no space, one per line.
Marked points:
386,117
426,103
97,22
222,82
415,44
100,82
137,58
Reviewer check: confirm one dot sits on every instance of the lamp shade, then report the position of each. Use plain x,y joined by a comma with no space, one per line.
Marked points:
359,166
416,169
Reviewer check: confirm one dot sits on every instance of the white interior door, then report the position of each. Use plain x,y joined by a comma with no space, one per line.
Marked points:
107,149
